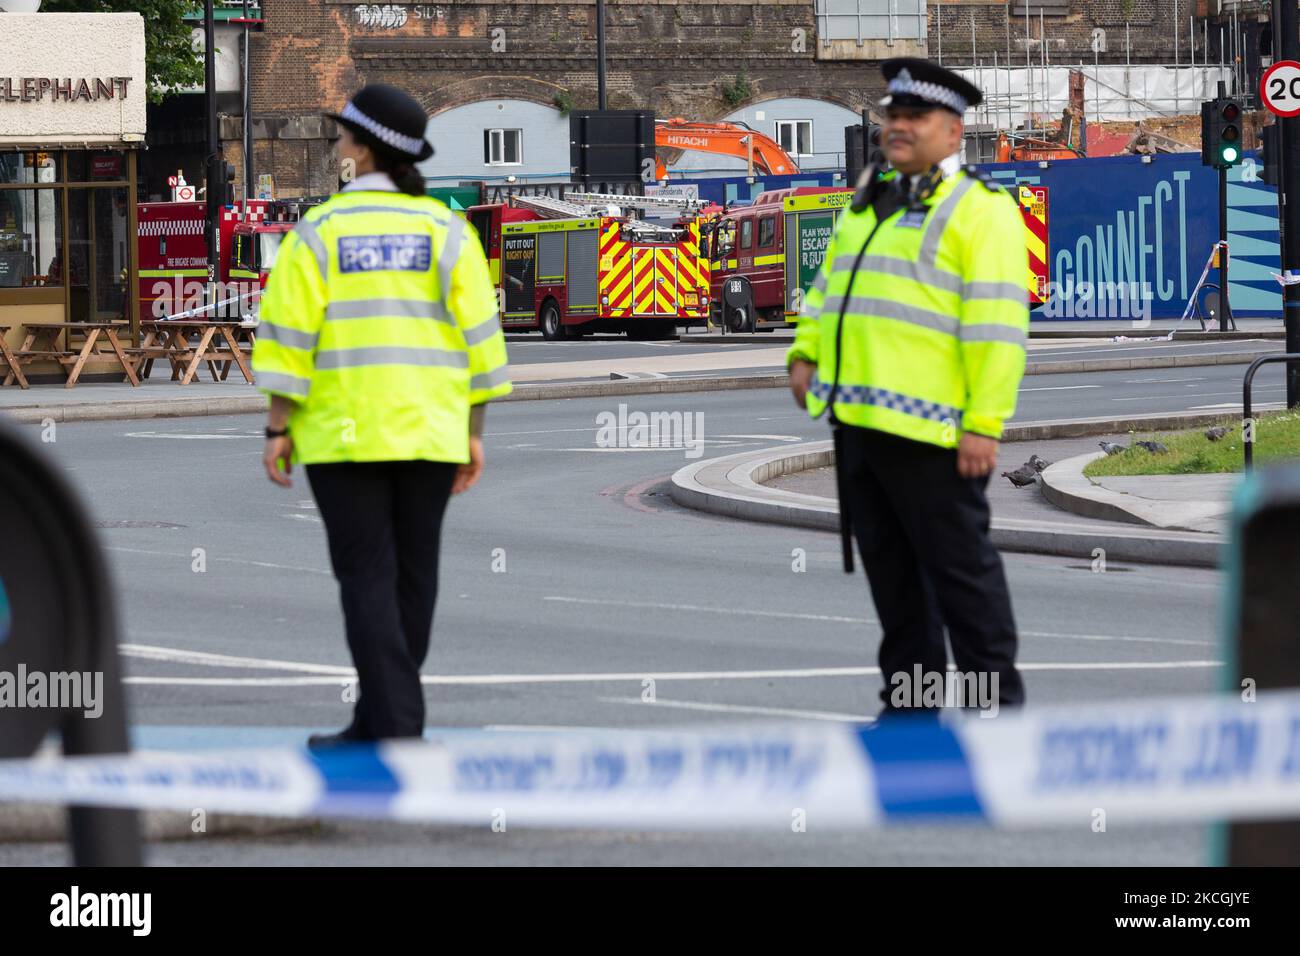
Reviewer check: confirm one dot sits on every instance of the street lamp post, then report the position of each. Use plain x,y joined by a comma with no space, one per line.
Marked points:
600,54
215,175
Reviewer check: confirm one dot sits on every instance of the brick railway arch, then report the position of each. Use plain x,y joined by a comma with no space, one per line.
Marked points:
481,88
853,103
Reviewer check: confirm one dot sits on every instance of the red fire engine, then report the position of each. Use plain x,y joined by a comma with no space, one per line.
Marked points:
777,244
173,253
583,264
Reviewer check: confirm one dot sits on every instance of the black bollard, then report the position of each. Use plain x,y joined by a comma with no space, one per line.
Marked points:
61,620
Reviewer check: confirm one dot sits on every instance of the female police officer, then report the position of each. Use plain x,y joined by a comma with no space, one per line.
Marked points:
379,345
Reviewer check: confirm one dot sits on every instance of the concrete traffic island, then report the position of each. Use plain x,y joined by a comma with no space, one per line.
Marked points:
1176,502
740,486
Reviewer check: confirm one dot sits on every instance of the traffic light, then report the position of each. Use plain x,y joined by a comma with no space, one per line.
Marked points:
1270,153
871,144
1221,133
228,184
861,149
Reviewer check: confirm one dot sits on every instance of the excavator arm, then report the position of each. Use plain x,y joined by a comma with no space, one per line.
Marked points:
727,139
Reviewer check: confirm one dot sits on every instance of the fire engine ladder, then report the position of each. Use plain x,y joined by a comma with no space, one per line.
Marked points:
648,203
551,208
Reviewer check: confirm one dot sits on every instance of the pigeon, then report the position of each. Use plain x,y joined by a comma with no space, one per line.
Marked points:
1152,446
1022,476
1110,448
1214,434
1038,464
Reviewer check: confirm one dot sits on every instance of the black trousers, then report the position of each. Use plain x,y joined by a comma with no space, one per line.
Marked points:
923,534
384,524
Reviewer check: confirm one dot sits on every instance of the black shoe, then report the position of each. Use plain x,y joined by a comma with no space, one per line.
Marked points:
343,738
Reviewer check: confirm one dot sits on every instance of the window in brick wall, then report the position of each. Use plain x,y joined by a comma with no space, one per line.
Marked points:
871,20
795,137
503,147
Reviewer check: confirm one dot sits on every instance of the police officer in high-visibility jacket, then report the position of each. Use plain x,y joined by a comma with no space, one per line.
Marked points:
380,345
913,337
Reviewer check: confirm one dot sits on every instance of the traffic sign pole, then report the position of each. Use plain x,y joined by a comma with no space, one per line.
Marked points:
1279,90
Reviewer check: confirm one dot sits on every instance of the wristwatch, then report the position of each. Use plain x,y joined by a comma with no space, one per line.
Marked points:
277,432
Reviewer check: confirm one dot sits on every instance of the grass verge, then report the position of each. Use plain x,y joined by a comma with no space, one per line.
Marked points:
1277,437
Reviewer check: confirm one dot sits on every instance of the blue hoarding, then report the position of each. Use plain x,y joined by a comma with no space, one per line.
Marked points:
1127,235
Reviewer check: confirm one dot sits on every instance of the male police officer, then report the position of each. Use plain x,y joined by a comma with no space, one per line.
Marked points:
913,337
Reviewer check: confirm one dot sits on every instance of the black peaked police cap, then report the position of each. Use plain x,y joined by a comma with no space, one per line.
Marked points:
921,84
389,116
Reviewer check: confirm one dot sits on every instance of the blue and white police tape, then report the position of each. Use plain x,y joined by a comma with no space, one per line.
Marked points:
1165,761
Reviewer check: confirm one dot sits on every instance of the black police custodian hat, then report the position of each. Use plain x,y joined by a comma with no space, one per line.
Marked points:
924,85
390,116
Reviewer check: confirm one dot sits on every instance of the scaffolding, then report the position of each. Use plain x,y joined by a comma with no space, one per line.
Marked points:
1030,93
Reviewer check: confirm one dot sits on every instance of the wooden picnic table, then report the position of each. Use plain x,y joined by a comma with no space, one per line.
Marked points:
41,342
171,339
13,369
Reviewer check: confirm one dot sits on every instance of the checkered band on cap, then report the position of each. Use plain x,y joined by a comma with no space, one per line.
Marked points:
931,92
407,144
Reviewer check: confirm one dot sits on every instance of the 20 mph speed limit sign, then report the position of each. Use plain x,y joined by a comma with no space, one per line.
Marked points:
1279,88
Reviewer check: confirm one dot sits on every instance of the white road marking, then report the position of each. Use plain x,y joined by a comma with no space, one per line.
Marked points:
766,437
1117,637
1155,381
479,680
153,652
678,447
1059,388
746,612
741,709
185,436
1237,404
256,564
837,619
311,518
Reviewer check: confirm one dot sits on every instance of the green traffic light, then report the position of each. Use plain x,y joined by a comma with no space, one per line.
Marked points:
1229,154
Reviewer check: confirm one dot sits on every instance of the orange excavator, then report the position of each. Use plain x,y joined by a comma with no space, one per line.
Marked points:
729,139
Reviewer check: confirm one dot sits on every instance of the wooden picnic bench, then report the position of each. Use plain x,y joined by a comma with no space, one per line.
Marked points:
41,342
217,345
13,368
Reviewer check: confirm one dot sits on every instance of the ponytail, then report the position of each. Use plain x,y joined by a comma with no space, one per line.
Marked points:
399,168
407,179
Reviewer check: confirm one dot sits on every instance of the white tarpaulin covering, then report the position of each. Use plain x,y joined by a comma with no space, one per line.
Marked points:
1110,92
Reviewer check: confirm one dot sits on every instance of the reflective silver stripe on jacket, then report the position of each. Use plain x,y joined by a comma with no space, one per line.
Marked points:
386,309
447,258
904,269
483,331
309,237
884,398
993,332
498,376
390,355
995,290
282,335
893,309
939,222
431,212
279,382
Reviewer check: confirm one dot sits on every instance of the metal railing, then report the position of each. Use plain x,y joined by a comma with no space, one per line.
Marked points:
1247,421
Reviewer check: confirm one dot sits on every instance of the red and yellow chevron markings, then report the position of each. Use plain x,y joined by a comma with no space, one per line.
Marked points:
1033,209
615,272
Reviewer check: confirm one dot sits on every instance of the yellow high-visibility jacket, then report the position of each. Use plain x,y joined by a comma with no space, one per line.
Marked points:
380,322
935,322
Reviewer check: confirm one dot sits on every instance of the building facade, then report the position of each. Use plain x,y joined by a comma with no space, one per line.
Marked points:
497,78
72,119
